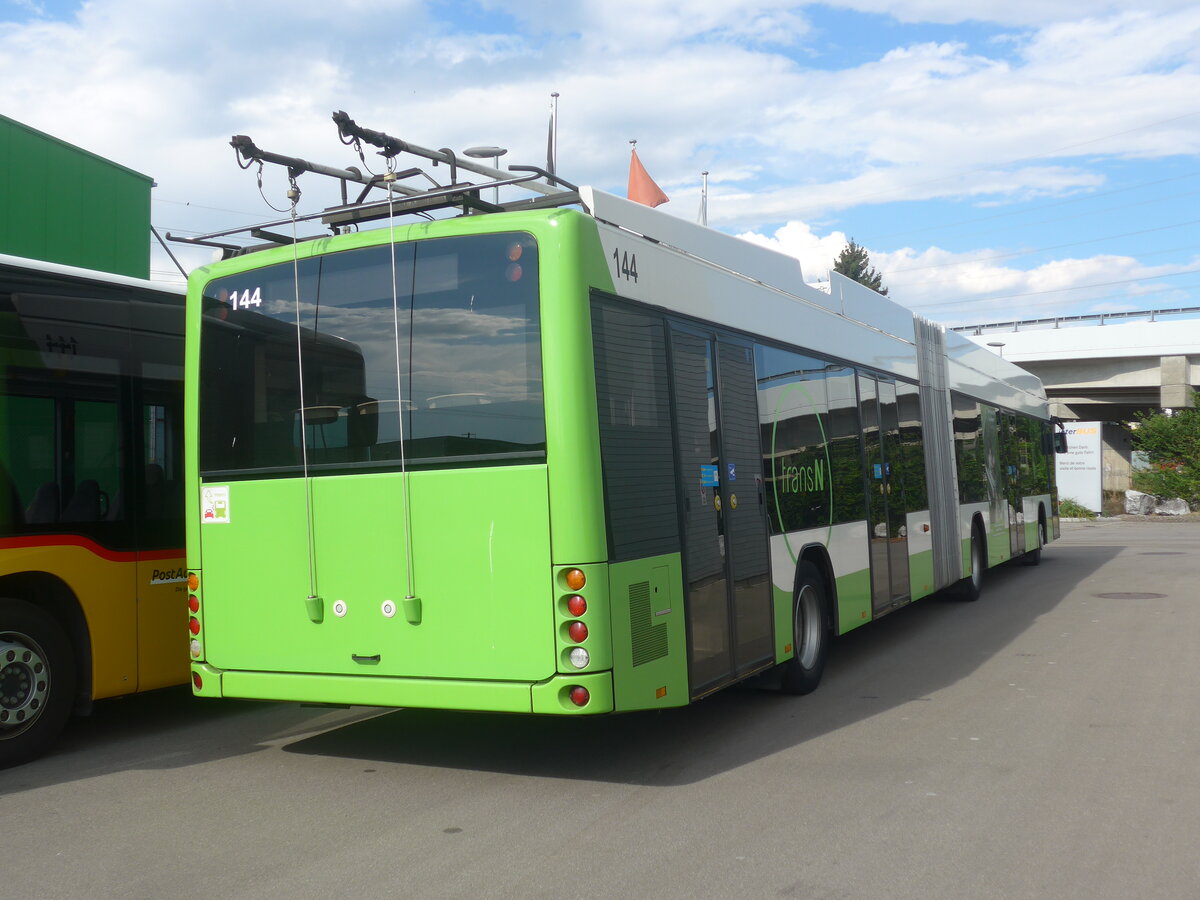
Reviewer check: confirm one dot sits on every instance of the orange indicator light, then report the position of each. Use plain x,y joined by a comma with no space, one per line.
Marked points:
575,579
193,581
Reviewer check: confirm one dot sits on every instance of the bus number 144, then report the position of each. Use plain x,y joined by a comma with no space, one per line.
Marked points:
246,299
626,265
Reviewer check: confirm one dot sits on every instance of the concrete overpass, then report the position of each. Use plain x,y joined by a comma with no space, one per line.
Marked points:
1105,368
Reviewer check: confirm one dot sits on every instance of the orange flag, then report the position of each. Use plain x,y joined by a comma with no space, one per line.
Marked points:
642,188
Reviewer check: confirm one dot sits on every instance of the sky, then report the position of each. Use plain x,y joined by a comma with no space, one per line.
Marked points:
998,161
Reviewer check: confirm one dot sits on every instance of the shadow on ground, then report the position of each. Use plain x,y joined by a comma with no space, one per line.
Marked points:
905,657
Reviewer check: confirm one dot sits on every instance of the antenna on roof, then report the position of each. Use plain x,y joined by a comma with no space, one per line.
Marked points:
552,136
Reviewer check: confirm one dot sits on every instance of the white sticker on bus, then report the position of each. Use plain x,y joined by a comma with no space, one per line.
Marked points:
214,505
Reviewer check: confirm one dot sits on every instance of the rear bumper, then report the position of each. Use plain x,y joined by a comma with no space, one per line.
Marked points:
550,696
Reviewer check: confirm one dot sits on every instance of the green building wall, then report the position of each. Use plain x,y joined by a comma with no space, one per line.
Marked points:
61,204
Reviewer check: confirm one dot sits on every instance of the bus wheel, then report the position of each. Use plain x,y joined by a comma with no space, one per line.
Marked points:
1034,556
971,586
37,680
810,633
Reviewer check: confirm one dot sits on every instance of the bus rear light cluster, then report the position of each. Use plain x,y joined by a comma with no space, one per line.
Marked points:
194,646
572,607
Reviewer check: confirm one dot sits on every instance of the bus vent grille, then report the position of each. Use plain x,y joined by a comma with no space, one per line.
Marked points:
649,639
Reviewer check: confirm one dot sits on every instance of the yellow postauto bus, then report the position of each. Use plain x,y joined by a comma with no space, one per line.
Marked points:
92,579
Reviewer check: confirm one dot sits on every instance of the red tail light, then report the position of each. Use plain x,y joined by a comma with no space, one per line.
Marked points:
578,632
580,696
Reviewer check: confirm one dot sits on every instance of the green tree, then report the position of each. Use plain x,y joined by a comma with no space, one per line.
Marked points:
1172,445
853,262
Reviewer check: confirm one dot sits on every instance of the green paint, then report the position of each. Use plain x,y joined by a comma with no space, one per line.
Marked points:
481,572
371,690
641,629
553,696
854,600
571,260
46,214
998,544
781,602
920,574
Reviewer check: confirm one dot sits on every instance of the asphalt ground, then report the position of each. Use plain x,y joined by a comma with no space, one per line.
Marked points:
1042,742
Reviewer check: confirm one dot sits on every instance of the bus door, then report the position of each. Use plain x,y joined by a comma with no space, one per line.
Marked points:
725,551
888,535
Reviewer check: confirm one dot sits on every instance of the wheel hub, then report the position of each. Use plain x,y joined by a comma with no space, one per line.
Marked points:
24,681
809,614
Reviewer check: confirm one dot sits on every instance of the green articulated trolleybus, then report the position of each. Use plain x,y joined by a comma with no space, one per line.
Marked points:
570,454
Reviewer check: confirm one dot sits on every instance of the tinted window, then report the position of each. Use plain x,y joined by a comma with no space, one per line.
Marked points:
812,459
81,434
970,450
793,412
433,350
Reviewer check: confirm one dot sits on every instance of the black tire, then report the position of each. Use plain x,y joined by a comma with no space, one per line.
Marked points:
971,587
37,681
810,633
1034,556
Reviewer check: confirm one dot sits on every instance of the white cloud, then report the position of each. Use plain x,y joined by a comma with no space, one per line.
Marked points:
1026,13
722,86
815,252
960,288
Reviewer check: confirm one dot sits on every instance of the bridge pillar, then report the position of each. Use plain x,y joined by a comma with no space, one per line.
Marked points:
1176,390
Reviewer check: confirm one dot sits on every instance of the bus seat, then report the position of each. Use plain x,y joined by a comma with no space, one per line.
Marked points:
44,506
84,505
